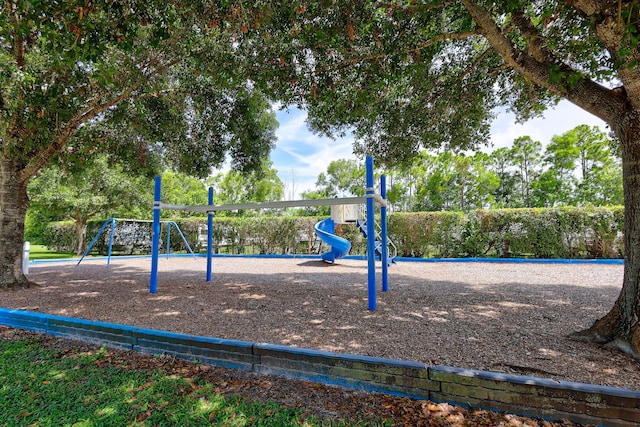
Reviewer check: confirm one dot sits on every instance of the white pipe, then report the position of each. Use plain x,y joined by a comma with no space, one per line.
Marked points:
26,249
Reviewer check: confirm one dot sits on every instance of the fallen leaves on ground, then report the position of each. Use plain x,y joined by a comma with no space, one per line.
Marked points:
321,401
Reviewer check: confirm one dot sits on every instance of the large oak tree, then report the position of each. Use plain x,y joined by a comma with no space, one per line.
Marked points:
137,80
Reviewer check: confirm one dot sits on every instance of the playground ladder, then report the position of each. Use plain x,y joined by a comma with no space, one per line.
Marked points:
392,250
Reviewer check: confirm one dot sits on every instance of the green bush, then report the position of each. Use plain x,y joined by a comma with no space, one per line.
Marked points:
426,234
60,236
537,233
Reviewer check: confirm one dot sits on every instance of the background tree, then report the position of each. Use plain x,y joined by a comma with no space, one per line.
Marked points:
98,189
599,167
453,182
581,169
556,185
435,190
412,75
399,189
343,177
404,180
262,185
501,162
527,156
182,189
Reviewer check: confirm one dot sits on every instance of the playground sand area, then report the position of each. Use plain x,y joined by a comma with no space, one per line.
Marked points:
502,317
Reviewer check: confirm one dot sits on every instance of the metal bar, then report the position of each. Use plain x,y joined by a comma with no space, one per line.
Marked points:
86,251
142,220
274,205
383,237
371,237
209,236
184,239
155,240
168,238
113,230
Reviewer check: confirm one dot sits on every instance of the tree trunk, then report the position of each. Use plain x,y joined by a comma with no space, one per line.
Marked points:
620,327
13,208
81,233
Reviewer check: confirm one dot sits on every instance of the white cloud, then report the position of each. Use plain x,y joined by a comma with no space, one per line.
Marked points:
300,156
564,117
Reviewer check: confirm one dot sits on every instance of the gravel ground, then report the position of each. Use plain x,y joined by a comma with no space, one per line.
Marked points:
506,317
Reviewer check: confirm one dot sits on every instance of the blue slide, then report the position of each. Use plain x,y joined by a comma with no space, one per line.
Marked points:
339,246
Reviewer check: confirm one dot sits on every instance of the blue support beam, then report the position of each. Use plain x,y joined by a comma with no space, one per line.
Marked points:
209,236
371,237
155,242
383,237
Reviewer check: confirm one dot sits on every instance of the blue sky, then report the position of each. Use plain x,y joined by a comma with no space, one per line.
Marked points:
300,156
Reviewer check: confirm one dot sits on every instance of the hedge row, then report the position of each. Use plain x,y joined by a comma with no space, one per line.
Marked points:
537,233
508,233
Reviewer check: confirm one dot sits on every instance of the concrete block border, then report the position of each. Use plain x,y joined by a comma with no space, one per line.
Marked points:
523,395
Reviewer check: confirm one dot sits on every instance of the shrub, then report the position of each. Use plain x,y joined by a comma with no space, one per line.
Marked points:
540,233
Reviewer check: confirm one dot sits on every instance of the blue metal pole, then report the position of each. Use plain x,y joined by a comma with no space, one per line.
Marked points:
383,235
155,242
113,230
95,239
371,237
209,236
184,239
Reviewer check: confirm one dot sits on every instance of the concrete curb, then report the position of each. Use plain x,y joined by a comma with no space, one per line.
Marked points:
524,395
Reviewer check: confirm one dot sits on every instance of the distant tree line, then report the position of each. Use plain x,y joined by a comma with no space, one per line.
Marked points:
577,168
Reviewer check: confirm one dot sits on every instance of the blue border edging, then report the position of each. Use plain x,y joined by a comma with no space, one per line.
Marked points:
608,261
516,260
523,395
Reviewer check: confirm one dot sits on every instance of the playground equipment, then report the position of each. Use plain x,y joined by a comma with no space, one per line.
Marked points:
345,214
113,221
340,247
370,198
392,250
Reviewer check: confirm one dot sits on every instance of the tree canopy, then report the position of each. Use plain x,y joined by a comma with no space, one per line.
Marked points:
98,189
404,75
526,174
149,83
262,185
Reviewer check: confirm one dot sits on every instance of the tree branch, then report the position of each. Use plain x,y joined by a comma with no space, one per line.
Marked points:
477,61
417,8
533,37
594,7
18,42
91,111
354,59
586,93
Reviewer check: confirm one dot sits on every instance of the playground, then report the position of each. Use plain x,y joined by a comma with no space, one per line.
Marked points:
504,317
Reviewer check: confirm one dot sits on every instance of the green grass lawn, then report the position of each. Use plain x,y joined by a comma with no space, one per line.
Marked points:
41,387
41,252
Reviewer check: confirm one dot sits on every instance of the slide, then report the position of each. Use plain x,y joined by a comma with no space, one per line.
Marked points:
339,246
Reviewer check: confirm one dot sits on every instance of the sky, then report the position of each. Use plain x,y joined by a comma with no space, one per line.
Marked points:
300,156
